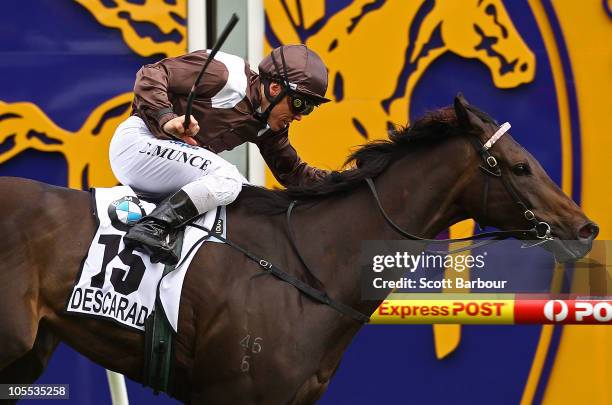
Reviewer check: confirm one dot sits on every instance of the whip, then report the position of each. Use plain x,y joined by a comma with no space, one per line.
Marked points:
226,31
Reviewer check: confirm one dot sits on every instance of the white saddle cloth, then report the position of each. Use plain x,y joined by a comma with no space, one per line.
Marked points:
121,285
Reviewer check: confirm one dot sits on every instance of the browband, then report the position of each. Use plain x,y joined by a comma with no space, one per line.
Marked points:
498,134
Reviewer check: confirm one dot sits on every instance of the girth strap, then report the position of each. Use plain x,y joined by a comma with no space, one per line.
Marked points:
159,341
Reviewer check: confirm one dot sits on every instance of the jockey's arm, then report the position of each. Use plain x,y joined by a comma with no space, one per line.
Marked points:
175,76
285,164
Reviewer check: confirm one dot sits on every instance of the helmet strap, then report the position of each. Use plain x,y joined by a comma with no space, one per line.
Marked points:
284,83
273,100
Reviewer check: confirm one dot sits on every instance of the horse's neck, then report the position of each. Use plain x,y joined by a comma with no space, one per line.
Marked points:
330,234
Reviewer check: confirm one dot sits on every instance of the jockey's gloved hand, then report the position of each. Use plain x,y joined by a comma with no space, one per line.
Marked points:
175,127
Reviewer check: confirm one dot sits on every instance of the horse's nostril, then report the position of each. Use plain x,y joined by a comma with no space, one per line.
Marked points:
588,231
523,67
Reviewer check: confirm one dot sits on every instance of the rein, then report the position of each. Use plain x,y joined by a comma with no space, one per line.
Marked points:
541,230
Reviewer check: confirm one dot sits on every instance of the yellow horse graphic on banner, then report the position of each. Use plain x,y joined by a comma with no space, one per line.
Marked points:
378,51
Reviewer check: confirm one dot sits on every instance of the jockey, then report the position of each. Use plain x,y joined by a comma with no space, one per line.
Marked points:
156,156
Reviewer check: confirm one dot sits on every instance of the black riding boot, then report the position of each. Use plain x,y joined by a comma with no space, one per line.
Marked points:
151,232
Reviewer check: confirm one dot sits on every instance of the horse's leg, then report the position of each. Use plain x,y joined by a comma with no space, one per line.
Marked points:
310,391
27,368
18,311
21,267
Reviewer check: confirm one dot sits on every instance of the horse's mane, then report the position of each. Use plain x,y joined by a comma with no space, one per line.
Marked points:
369,160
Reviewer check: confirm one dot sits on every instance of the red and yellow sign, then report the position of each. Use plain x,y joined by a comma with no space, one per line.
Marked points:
491,312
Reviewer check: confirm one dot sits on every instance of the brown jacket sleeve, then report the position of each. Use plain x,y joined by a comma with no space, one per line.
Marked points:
161,85
284,162
151,101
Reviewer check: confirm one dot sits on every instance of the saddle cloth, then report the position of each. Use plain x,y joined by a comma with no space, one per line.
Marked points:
120,284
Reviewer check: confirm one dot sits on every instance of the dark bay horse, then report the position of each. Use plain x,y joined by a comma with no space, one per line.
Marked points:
244,336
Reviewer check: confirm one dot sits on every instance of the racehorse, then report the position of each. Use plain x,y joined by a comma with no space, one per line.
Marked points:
245,336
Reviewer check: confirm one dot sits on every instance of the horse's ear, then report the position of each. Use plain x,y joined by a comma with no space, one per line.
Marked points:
463,115
461,98
466,118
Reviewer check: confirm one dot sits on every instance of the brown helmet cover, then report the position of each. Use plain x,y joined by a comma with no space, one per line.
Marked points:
306,72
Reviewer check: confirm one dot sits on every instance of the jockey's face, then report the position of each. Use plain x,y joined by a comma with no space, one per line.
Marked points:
281,115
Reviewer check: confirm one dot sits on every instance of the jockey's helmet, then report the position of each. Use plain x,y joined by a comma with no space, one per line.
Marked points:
298,69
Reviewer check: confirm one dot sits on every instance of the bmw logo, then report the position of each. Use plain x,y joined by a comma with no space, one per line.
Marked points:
125,212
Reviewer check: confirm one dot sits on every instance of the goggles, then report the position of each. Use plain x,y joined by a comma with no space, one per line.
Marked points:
300,104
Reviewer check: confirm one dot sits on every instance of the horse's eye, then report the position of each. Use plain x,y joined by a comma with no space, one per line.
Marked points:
521,169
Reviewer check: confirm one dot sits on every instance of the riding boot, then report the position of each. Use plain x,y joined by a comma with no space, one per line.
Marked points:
150,233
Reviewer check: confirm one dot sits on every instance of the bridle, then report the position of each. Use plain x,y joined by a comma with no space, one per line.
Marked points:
490,167
541,230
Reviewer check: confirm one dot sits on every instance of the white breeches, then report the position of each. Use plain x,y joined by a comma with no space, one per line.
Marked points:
161,167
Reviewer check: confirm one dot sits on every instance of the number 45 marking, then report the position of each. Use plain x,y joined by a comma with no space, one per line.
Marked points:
136,270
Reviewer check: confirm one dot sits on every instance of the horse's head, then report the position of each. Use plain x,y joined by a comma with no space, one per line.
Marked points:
511,190
483,30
